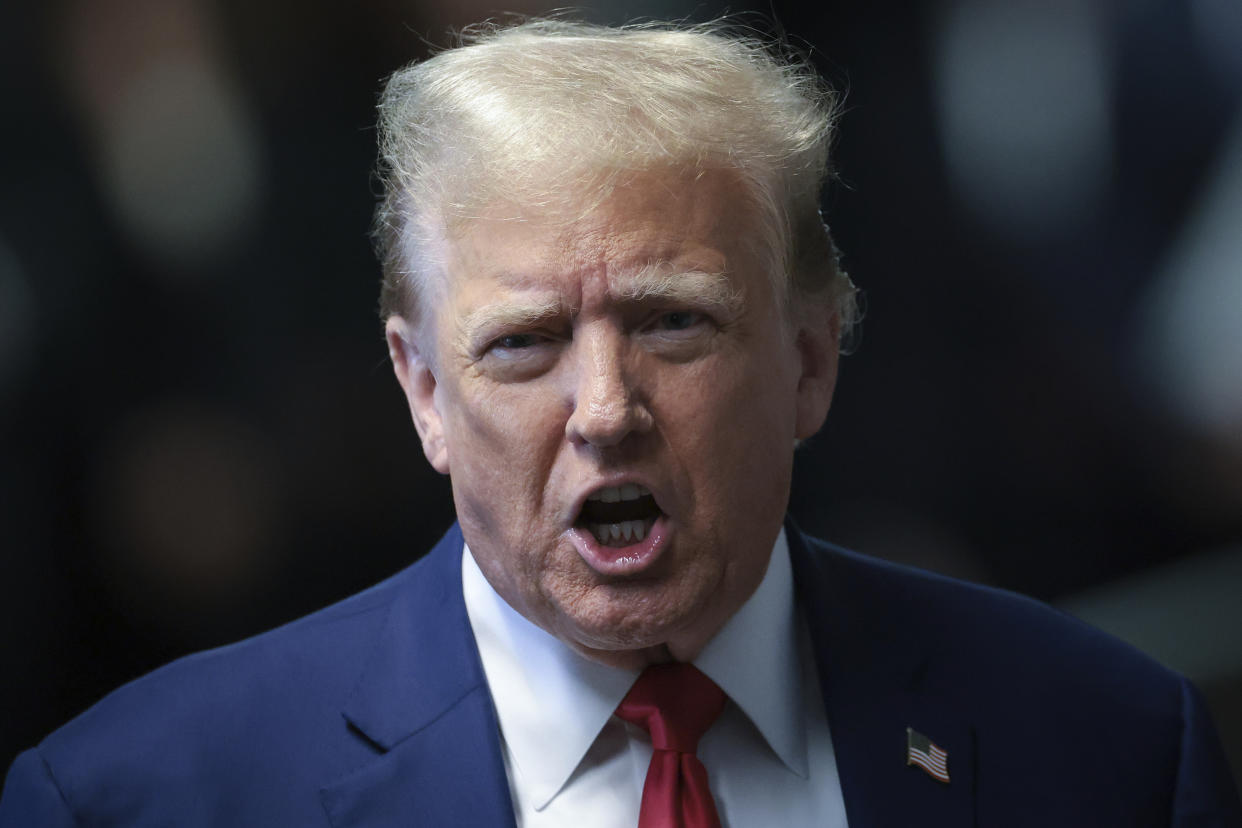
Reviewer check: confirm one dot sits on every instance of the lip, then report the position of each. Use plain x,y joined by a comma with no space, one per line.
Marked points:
619,561
622,561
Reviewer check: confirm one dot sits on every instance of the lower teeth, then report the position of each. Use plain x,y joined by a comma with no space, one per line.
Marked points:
621,534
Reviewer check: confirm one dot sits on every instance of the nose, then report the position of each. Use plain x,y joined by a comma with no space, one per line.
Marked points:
607,405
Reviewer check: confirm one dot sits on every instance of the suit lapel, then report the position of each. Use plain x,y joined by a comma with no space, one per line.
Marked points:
422,701
877,681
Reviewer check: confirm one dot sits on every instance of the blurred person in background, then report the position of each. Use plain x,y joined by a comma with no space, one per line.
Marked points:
614,310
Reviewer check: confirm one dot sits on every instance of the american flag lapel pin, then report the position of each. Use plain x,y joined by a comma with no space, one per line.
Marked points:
927,755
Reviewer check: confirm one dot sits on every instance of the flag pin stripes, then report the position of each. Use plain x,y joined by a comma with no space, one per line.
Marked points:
927,755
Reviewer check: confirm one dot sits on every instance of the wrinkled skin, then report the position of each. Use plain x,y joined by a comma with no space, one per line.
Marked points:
551,362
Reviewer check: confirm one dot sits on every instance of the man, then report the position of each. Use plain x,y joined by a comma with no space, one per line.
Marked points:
613,310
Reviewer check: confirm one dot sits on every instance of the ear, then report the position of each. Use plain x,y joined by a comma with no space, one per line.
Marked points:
818,345
418,381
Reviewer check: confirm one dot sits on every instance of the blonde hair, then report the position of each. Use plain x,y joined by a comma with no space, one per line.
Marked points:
555,113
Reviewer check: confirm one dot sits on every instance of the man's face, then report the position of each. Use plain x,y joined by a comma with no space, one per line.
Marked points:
616,401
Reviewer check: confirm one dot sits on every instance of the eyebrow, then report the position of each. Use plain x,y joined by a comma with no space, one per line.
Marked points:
511,314
505,315
695,288
655,282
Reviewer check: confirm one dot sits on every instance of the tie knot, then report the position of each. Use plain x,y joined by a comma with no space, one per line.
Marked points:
675,703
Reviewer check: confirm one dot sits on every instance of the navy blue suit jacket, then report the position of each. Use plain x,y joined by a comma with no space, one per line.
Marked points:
375,712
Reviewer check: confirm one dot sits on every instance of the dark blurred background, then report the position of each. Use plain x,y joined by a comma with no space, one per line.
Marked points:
200,437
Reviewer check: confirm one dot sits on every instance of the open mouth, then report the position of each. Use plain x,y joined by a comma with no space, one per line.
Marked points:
619,515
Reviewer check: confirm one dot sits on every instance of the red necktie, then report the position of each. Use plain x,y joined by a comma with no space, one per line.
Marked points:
676,704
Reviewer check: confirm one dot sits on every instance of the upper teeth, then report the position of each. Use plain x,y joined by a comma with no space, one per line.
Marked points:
627,491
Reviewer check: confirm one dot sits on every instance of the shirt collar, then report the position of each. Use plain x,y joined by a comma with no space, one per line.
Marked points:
552,703
754,659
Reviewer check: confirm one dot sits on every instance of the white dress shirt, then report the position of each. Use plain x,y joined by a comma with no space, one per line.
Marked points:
571,762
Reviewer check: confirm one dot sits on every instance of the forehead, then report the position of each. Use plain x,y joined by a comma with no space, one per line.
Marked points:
699,222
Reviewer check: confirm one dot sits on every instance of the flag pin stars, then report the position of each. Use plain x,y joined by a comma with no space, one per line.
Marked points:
927,755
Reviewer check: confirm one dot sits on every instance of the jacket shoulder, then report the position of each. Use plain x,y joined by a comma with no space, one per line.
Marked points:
255,722
993,635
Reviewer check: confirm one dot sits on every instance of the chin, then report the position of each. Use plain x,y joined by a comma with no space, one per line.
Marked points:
628,623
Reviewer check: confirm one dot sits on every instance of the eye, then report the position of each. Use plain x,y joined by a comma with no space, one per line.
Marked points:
678,320
519,355
515,342
518,344
679,334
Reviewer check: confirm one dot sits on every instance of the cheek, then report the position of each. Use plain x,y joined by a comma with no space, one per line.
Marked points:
482,424
500,446
734,398
732,427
